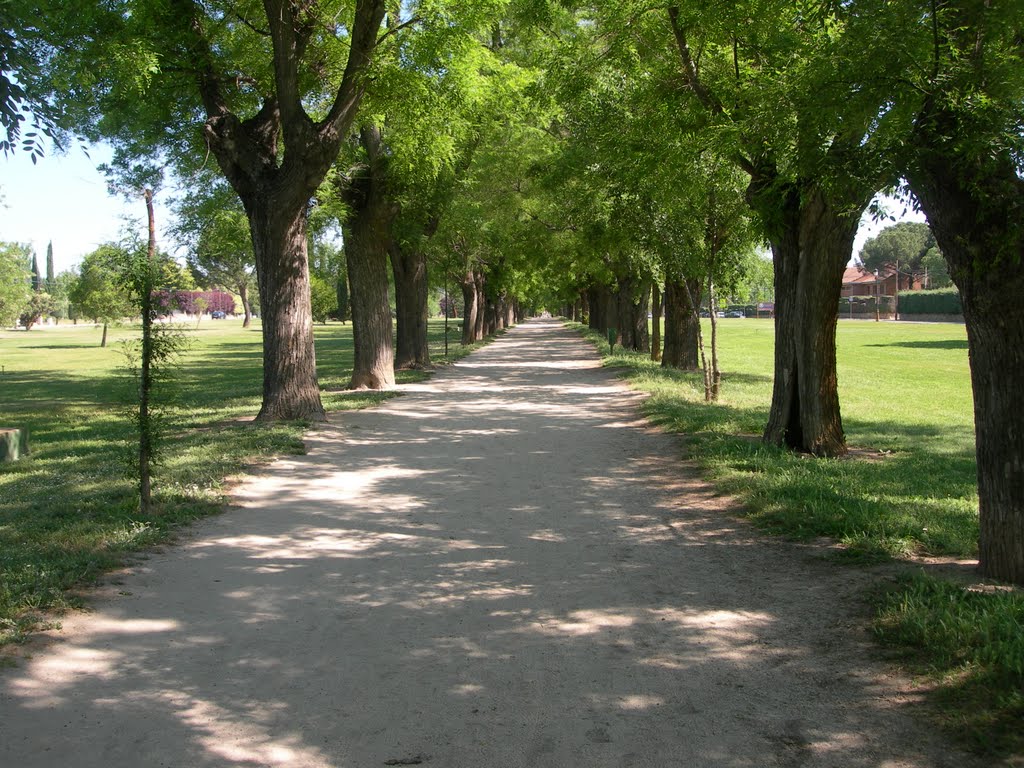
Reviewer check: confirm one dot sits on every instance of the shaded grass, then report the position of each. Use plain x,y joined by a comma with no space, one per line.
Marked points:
969,645
69,511
909,485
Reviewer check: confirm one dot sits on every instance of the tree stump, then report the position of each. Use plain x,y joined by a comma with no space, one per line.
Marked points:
13,443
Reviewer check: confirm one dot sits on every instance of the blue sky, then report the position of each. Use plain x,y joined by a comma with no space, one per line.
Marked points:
64,198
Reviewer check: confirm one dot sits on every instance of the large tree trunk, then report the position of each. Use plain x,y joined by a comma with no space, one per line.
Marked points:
368,239
811,246
631,307
409,266
973,204
290,389
625,301
275,190
682,326
470,308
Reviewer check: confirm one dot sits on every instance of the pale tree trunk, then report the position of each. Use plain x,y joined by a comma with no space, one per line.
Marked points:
146,424
243,294
480,329
470,308
973,203
409,266
712,375
655,323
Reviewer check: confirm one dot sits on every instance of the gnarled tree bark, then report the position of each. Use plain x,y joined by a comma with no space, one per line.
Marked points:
275,191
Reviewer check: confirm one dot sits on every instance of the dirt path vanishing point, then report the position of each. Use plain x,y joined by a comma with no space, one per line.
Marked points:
503,568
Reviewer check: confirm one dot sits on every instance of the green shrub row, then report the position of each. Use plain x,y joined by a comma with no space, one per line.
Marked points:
944,301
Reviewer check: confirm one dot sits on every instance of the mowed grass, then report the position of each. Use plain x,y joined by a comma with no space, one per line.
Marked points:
69,511
907,488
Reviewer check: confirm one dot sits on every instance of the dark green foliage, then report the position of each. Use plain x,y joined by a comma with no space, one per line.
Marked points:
945,301
971,643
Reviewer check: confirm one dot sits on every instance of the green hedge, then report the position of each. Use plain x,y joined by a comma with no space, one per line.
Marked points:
944,301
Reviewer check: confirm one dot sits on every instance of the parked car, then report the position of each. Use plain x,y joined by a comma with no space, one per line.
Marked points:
218,315
734,313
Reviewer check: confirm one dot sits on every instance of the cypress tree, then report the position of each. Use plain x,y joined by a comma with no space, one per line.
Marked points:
50,278
37,283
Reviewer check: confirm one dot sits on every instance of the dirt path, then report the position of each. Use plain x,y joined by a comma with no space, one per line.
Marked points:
502,568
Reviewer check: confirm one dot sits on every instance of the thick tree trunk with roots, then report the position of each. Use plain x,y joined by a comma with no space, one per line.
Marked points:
290,389
275,190
973,204
811,246
682,325
409,266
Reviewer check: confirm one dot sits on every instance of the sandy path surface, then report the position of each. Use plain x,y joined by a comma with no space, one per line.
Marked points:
502,568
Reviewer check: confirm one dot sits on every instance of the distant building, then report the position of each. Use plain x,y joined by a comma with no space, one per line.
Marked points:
858,281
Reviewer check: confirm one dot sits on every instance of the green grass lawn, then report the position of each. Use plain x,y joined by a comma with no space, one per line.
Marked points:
907,488
69,511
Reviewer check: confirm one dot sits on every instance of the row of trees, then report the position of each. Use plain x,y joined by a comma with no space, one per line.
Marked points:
608,157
